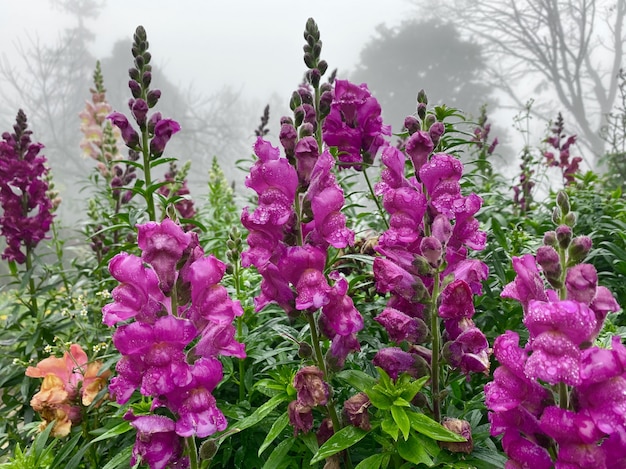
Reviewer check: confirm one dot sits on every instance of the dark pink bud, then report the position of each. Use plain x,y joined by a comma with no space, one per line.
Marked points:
563,235
288,137
578,250
139,109
394,360
456,301
441,229
411,124
418,147
549,260
581,282
436,131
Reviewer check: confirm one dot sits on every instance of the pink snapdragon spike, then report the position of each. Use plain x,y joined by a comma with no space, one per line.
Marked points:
354,124
27,208
169,343
587,427
431,230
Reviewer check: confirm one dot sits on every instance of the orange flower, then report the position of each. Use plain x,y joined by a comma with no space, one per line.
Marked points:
62,378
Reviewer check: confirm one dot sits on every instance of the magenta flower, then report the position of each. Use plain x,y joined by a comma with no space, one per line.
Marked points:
163,131
394,361
27,209
163,245
419,146
528,284
129,135
138,294
354,124
401,327
157,443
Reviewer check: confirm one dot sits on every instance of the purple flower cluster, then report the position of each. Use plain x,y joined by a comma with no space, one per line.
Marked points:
559,153
587,429
431,229
167,299
354,124
27,208
294,271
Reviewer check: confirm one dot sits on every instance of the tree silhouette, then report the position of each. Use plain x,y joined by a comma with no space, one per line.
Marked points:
570,49
400,61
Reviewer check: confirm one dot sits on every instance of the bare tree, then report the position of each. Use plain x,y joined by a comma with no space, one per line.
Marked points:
570,49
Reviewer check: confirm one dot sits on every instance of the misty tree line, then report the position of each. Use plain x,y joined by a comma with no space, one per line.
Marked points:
567,53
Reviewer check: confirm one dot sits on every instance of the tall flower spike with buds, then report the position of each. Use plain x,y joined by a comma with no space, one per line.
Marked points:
584,424
176,320
27,208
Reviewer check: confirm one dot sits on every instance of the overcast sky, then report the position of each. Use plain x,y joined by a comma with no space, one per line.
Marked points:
254,46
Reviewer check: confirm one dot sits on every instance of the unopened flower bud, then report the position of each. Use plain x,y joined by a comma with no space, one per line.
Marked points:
208,449
314,77
322,66
411,124
549,260
146,79
133,73
436,131
306,130
570,219
578,249
564,236
421,97
299,115
308,60
153,98
147,56
556,216
562,200
295,100
429,120
549,238
304,350
135,89
421,110
139,61
326,100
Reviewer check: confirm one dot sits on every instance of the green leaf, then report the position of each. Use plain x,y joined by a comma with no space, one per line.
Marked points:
341,440
401,419
66,449
41,440
375,461
117,430
357,379
277,427
121,459
385,380
427,426
412,451
390,427
379,399
259,414
411,389
279,454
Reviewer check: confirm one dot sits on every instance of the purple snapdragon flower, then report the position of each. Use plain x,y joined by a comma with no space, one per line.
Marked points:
170,342
417,246
27,208
354,124
587,428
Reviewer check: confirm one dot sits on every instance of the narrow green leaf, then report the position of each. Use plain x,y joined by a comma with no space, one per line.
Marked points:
411,389
41,440
121,459
357,379
277,427
341,440
117,430
427,426
66,450
262,412
373,462
401,419
279,454
379,400
412,451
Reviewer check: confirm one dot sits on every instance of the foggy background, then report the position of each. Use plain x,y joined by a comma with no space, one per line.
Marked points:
218,64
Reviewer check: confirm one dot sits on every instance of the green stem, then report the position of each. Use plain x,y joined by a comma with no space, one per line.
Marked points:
563,396
436,345
192,450
59,253
319,358
371,189
240,321
32,290
145,151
